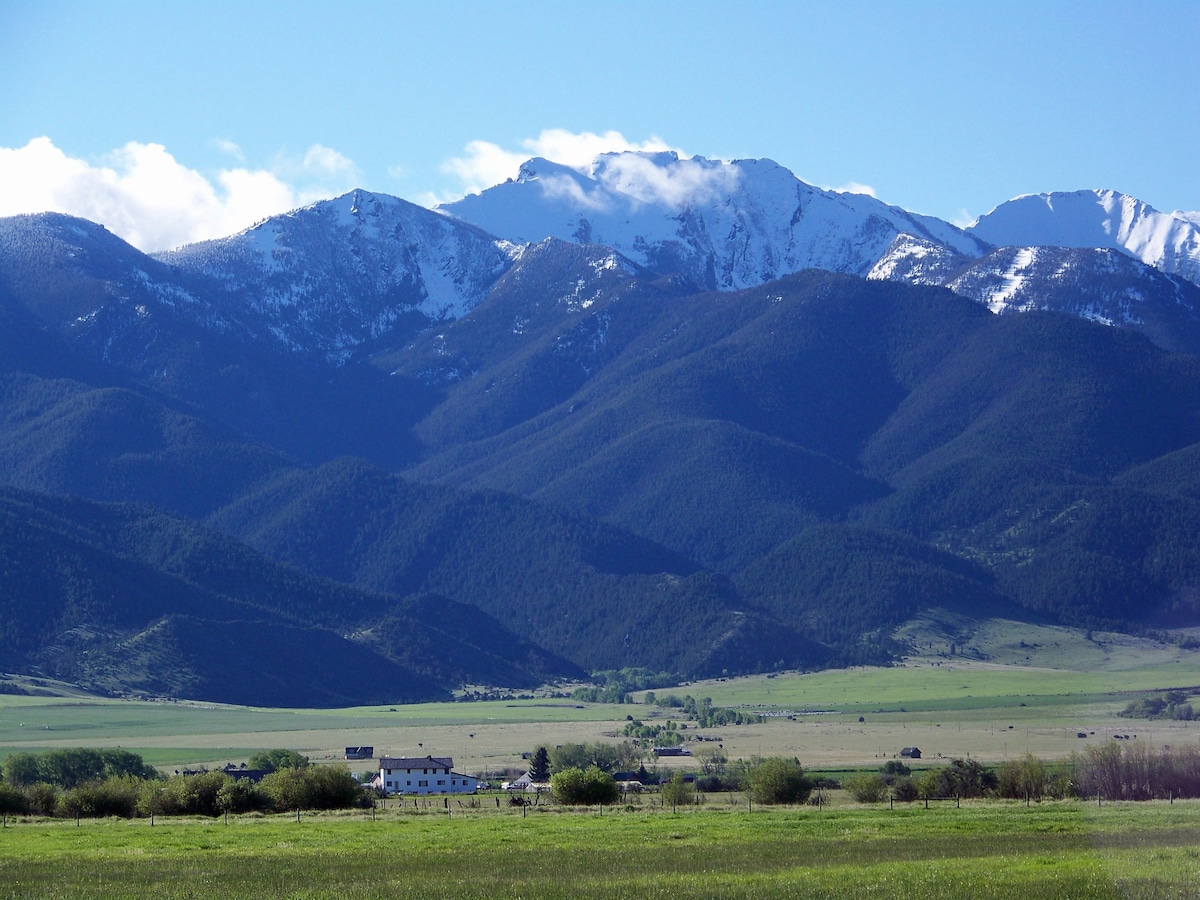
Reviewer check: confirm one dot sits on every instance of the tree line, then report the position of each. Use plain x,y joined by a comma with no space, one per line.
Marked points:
1110,771
98,783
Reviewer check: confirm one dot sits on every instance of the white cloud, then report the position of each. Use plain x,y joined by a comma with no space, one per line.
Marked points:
673,184
321,160
560,185
142,193
230,148
853,187
963,219
485,164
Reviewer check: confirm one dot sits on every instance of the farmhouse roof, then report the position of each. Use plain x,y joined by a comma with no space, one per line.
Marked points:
416,762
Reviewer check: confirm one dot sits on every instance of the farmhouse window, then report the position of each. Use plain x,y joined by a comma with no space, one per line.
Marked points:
422,784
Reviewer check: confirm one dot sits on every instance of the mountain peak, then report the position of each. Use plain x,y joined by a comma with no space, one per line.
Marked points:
724,225
1101,218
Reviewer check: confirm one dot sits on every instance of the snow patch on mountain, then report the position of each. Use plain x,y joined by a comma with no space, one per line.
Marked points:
725,225
917,261
1098,219
333,275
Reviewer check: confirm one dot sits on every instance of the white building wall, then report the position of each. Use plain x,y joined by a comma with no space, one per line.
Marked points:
426,781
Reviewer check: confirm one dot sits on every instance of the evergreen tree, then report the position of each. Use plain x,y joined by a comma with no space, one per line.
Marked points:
539,766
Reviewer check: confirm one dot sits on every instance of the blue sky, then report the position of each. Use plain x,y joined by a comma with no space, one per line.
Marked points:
170,121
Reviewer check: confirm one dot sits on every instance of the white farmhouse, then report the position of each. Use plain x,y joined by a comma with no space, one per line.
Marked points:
422,775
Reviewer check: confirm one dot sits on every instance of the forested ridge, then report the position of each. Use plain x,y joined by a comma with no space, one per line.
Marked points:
692,482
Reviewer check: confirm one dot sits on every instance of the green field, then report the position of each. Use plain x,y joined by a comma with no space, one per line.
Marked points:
1055,685
1067,849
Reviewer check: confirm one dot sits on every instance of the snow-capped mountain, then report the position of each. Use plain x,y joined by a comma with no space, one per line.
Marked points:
340,273
364,272
1103,285
1097,219
726,225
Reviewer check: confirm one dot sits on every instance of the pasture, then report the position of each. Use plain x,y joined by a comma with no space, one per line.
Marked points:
1056,684
984,849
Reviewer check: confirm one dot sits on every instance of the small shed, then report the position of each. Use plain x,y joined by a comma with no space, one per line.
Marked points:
910,753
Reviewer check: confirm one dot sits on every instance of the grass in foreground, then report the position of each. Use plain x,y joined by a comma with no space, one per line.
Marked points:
981,850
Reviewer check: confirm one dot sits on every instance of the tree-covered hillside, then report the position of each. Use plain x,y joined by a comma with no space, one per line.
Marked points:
124,598
597,467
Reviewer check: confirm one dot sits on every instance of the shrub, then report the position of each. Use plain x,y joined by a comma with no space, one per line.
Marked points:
583,787
905,790
115,796
313,787
288,789
1024,777
239,796
677,791
711,784
12,800
867,788
962,778
778,780
333,787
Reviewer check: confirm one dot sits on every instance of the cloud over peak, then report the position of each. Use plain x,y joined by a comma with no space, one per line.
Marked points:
485,164
142,193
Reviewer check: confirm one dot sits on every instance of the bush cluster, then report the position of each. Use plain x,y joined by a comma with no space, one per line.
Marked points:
584,787
130,794
1170,705
777,780
1133,771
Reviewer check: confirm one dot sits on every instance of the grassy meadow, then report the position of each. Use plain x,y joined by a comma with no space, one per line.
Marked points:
1061,849
1035,690
1055,684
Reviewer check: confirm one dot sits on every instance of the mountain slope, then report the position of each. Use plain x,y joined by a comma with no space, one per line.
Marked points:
122,598
758,401
344,273
733,422
515,560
